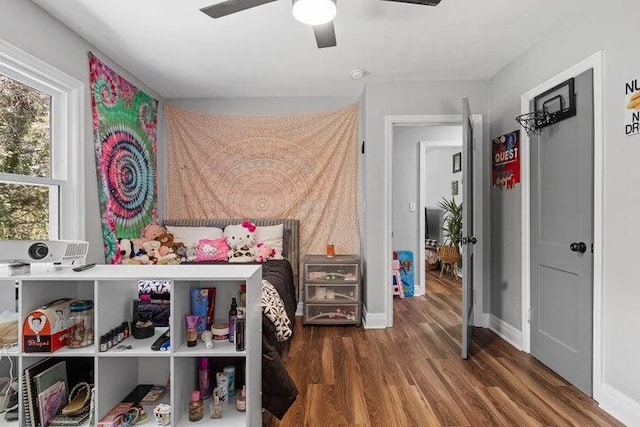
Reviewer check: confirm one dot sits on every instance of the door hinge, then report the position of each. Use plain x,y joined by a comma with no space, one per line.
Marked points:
529,315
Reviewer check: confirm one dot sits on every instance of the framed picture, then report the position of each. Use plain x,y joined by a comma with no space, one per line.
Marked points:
454,188
457,162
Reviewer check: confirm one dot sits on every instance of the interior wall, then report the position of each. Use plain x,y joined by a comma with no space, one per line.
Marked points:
28,27
407,98
612,28
439,175
406,179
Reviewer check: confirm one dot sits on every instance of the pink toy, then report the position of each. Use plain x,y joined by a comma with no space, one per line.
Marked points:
397,286
264,252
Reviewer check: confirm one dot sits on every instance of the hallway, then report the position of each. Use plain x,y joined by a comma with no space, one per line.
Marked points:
412,374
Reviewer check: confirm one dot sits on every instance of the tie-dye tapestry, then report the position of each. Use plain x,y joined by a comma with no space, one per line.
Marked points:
124,126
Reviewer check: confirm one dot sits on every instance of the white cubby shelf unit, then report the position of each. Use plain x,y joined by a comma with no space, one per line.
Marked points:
116,373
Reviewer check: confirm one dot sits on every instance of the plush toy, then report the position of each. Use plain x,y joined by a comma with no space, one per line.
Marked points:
192,253
126,249
166,240
241,239
150,232
264,252
130,253
153,249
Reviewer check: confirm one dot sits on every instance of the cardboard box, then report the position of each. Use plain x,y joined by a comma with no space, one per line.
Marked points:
46,329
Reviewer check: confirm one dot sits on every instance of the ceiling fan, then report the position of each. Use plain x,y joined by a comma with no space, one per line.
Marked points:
322,22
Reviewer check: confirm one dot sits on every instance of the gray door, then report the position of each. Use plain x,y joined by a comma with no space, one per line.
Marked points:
468,241
561,221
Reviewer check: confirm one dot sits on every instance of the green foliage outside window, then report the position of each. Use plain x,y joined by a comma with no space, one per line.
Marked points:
24,150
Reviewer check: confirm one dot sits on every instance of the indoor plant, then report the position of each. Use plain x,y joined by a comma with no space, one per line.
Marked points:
452,224
452,232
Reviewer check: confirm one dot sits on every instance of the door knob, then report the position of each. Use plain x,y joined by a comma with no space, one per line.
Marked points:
580,247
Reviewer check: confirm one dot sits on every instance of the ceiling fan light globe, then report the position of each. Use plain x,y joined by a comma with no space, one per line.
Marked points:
314,12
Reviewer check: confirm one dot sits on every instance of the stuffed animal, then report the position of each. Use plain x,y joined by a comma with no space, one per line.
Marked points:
130,253
150,232
153,250
126,248
166,240
264,252
241,239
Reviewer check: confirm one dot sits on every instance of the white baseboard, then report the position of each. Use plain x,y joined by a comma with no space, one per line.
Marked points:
299,311
619,405
483,322
373,320
505,331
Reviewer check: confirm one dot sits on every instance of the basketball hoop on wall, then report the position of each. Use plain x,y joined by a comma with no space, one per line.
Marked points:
551,106
529,121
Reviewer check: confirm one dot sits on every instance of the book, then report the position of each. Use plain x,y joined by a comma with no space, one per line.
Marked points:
118,409
26,397
138,393
29,396
51,376
51,401
153,395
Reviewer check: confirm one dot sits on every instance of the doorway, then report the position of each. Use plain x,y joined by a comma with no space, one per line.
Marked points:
392,123
592,65
440,180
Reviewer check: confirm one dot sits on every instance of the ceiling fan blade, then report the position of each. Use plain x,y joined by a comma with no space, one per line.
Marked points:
325,35
421,2
232,6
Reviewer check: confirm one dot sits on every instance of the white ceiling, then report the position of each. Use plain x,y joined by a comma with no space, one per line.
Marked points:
180,52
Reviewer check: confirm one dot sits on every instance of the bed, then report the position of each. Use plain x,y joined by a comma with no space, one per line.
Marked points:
278,389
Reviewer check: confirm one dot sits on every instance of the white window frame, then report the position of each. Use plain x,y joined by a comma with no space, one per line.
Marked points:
67,148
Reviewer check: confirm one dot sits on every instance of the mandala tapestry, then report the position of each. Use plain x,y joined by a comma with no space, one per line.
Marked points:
299,167
124,126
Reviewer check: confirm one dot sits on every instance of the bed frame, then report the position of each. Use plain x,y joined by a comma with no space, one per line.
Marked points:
290,225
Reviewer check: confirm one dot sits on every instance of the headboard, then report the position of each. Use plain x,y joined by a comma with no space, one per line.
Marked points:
290,235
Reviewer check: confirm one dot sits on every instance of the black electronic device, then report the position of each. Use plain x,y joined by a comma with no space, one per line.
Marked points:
84,267
162,339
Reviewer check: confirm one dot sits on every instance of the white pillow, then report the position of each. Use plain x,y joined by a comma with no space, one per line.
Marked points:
271,235
190,236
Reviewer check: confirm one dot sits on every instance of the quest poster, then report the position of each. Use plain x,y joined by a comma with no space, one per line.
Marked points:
506,160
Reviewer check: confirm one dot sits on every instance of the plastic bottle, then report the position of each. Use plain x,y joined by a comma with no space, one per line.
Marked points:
233,315
196,407
240,333
241,400
204,381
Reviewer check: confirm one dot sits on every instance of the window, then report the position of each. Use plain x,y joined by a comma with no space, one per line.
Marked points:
41,173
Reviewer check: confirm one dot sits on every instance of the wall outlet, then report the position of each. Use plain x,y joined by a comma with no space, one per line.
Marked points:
412,206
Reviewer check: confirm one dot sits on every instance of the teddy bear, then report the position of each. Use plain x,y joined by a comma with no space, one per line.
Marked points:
241,239
153,251
264,252
150,232
166,240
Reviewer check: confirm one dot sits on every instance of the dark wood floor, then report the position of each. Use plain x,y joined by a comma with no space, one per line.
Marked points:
412,374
